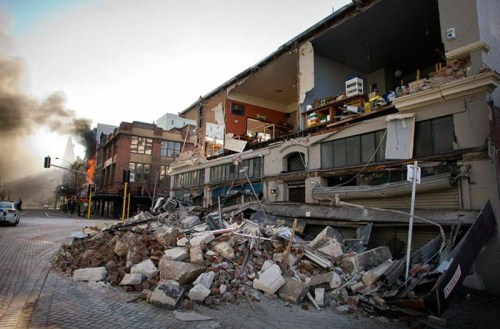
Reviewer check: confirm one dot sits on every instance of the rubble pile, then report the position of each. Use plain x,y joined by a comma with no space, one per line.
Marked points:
178,258
454,69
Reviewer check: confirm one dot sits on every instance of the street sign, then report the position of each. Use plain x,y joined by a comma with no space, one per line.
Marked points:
410,169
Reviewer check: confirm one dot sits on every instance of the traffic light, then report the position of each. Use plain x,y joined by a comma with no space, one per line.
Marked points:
126,176
46,162
91,188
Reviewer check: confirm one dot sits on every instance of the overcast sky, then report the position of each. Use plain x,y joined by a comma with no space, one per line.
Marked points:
131,60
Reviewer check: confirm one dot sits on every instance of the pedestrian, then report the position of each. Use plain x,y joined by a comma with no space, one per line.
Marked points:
19,204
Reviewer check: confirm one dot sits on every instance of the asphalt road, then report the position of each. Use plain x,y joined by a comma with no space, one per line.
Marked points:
34,295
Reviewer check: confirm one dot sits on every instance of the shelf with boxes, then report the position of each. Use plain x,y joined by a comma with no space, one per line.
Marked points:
333,110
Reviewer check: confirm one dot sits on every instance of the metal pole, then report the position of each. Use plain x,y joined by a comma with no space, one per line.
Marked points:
128,206
410,228
154,192
220,213
124,200
89,204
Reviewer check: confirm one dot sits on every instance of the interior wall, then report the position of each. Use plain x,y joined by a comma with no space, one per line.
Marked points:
237,124
461,15
377,77
330,78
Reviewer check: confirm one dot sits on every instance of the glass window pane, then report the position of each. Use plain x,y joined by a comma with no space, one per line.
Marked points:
133,144
423,138
367,147
257,165
380,142
296,162
353,150
327,155
443,135
230,171
339,153
202,177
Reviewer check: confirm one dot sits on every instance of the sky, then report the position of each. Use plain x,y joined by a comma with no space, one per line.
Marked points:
109,61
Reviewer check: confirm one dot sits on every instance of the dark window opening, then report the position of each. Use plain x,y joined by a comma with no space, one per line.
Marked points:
237,109
433,137
296,162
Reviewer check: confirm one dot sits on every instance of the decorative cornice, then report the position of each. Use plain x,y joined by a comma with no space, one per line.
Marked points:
467,49
487,81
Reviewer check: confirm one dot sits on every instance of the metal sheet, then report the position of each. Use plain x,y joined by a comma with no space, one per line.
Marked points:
460,260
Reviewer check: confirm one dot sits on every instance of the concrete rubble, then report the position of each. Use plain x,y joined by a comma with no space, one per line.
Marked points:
175,263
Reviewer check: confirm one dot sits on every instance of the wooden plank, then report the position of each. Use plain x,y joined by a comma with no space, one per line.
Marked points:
289,246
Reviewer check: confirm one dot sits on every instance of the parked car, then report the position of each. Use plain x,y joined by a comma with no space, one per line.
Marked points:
9,213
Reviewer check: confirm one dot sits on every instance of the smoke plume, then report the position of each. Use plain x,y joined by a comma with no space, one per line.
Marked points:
21,115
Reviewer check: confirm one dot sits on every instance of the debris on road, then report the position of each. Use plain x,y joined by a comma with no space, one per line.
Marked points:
178,258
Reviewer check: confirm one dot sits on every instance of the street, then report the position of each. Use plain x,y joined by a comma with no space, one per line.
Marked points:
34,295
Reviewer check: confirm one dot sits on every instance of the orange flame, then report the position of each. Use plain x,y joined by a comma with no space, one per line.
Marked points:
91,170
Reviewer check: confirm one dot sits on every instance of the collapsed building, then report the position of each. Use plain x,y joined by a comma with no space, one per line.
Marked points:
323,130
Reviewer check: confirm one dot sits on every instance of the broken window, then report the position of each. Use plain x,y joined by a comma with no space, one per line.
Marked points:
141,145
170,149
253,166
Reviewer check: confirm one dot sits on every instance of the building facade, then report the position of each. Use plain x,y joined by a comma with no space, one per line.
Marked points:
340,111
144,152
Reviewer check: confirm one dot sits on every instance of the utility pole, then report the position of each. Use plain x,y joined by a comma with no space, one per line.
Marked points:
126,180
124,201
413,176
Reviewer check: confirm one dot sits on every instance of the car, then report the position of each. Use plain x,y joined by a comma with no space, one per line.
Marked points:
9,213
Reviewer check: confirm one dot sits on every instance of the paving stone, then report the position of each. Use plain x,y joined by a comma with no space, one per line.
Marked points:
190,316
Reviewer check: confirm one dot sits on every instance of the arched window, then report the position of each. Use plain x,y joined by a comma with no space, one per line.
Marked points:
296,162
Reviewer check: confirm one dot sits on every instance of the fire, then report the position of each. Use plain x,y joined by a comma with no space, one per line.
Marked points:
91,170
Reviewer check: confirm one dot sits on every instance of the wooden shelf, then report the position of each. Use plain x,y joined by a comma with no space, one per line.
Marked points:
332,109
